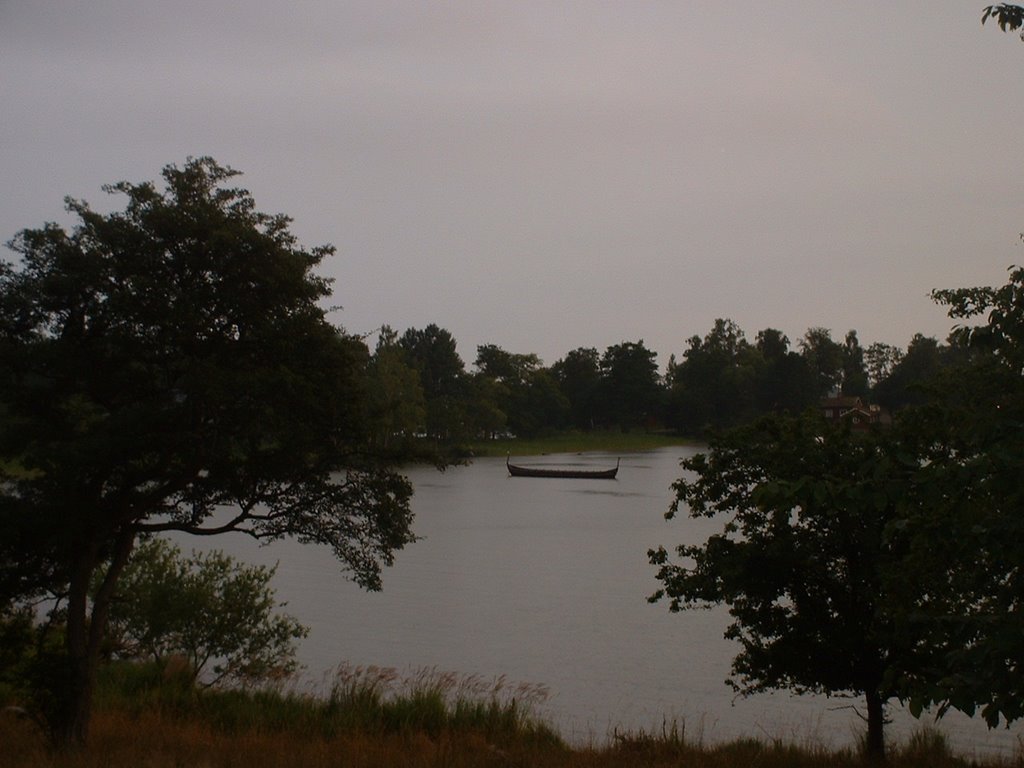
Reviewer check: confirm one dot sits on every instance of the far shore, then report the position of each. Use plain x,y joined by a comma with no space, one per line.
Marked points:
579,442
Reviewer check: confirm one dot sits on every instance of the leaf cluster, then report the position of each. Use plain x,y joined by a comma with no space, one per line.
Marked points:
800,556
1009,17
967,522
886,562
169,367
219,615
162,363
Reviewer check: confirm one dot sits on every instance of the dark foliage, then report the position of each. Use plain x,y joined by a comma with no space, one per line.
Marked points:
1009,17
169,367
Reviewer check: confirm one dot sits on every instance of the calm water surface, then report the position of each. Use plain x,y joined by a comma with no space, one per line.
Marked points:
545,581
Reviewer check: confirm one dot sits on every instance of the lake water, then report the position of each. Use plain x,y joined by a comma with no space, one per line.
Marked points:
545,581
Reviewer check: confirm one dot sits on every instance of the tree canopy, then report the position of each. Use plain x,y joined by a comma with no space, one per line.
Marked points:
884,563
800,558
397,405
966,529
420,387
169,367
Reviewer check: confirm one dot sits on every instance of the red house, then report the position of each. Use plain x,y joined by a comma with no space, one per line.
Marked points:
860,414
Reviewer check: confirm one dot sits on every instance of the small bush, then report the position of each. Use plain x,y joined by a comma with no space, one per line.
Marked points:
927,747
167,684
209,609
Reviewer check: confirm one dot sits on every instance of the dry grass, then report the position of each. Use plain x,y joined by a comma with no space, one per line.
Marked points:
372,716
150,739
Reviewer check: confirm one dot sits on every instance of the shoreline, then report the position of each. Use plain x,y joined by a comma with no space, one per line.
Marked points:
578,442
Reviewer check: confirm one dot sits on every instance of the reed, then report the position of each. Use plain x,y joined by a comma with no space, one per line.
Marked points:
433,702
374,716
150,738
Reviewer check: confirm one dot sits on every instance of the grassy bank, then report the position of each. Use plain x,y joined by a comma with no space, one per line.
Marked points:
578,442
123,738
374,717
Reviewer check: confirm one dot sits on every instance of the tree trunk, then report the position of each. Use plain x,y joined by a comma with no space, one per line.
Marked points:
74,684
874,746
70,723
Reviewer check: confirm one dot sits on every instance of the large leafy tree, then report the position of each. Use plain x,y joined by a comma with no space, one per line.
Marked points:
397,406
508,367
168,367
526,392
432,352
966,529
911,379
880,359
801,558
697,398
540,405
501,385
885,563
724,381
855,372
579,377
709,390
630,390
824,357
784,383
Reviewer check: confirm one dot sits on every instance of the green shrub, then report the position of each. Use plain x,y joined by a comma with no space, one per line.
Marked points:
209,609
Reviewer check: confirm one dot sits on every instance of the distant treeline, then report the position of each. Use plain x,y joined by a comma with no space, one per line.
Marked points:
421,387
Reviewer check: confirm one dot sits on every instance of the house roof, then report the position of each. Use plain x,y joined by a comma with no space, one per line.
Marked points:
842,402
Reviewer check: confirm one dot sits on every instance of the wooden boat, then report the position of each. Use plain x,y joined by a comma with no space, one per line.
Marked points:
578,474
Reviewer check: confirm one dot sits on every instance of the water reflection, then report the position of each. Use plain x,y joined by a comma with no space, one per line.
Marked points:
545,581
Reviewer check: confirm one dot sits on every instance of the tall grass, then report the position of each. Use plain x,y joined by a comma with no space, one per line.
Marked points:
368,700
432,701
365,717
150,715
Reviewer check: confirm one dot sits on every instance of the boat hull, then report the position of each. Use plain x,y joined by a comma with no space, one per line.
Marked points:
574,474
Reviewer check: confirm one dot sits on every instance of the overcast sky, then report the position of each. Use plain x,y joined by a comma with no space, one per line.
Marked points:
545,176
